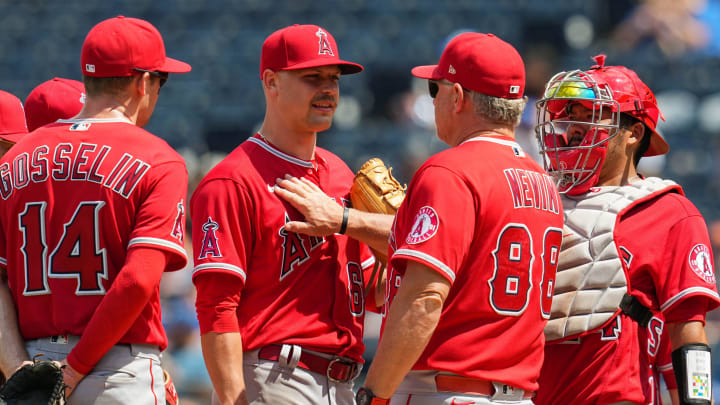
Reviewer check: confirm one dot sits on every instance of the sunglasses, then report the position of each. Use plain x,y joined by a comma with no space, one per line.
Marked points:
163,76
433,87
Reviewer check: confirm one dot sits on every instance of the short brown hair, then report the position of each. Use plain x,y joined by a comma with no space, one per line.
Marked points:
96,86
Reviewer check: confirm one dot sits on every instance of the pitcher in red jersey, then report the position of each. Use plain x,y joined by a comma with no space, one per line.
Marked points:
92,215
281,313
473,248
632,247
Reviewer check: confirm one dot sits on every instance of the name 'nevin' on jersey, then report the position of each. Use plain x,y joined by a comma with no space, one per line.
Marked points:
531,189
83,164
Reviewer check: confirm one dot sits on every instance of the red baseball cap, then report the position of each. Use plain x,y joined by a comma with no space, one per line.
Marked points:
53,100
12,118
301,47
482,63
634,97
114,47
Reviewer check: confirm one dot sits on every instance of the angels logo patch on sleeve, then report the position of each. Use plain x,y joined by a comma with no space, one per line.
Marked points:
701,263
425,226
210,245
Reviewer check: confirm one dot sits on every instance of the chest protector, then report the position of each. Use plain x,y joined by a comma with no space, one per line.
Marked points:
591,278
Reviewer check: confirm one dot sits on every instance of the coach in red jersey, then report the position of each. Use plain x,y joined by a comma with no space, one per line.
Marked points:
92,214
473,248
281,313
633,247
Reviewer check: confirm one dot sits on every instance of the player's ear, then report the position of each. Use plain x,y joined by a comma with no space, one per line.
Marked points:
637,131
270,80
458,96
140,84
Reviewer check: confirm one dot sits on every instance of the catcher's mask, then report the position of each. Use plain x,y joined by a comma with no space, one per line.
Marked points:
573,147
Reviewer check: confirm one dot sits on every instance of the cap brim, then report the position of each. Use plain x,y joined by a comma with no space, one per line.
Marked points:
174,66
346,67
658,146
427,72
13,138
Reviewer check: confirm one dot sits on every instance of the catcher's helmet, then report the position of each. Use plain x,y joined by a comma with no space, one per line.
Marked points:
609,89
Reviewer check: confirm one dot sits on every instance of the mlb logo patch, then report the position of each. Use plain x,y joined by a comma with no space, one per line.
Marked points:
80,126
89,68
514,89
59,339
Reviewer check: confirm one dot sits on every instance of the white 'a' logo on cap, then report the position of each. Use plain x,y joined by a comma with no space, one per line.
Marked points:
324,47
451,70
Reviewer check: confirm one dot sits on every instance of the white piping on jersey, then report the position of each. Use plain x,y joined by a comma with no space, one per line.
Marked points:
426,257
683,293
494,140
665,367
223,266
281,155
95,120
367,263
158,241
3,261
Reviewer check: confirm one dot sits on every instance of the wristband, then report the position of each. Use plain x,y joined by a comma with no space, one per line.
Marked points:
693,372
343,226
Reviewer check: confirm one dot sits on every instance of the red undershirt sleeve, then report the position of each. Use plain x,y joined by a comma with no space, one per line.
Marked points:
121,306
218,296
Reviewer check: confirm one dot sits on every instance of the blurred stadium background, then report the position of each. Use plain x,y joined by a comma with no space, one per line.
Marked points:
673,45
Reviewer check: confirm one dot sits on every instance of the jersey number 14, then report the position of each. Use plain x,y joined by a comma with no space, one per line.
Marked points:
76,255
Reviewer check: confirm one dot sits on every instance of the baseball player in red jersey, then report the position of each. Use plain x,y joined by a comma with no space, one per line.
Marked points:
12,128
12,121
473,247
52,100
281,313
92,215
632,247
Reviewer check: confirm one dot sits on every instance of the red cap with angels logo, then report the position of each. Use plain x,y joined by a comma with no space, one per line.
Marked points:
301,47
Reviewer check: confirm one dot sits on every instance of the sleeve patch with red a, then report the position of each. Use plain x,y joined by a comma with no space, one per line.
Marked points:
210,245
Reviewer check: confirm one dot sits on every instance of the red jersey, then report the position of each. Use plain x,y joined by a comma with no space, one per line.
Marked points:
76,195
296,289
486,217
670,271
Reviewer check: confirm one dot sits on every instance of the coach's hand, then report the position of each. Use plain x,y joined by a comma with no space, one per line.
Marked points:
323,215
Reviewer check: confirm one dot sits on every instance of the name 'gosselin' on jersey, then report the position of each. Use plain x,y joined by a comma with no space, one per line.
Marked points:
82,164
531,189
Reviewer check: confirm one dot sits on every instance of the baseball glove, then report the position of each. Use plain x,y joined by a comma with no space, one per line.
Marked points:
35,384
376,190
